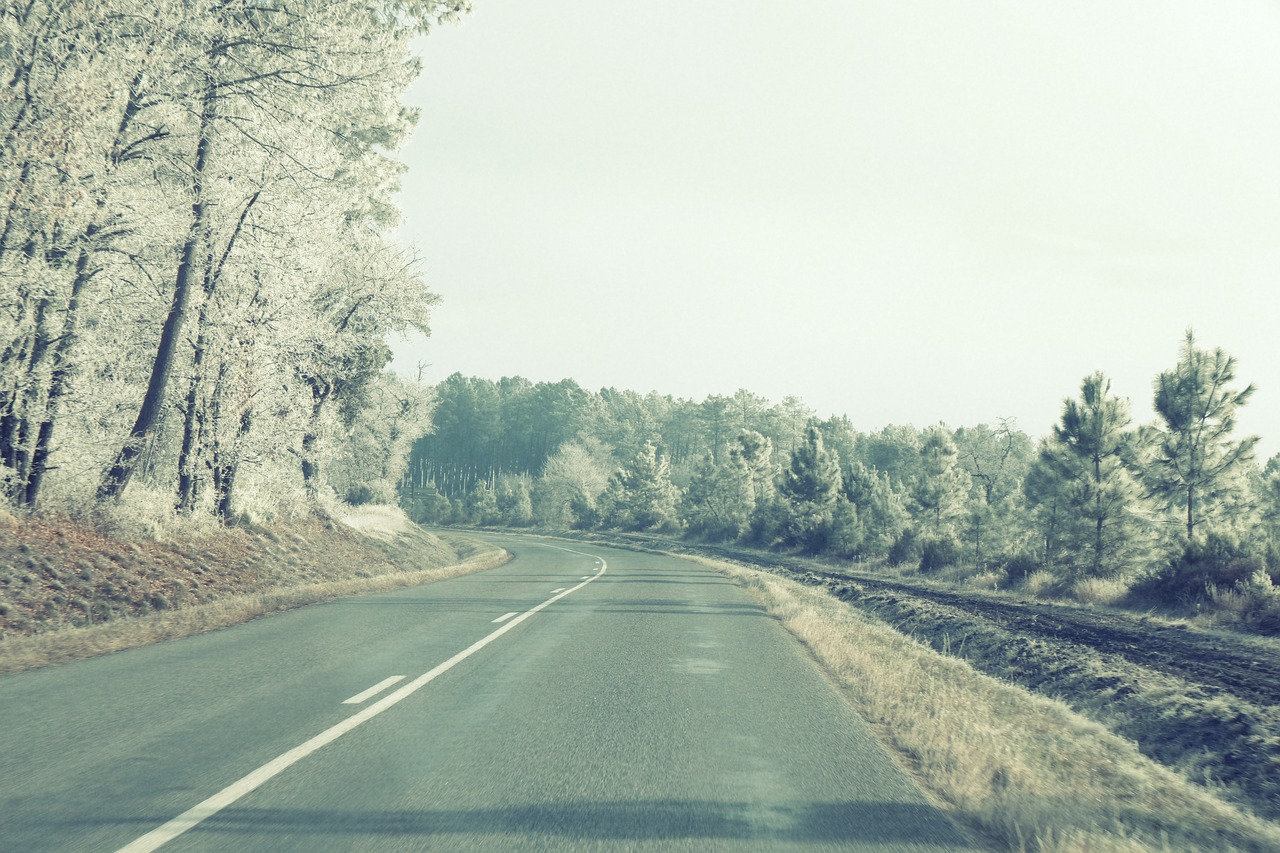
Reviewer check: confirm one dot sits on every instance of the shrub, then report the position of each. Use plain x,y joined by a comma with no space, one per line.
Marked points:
360,495
938,553
1255,602
985,580
905,549
428,506
1190,578
1019,566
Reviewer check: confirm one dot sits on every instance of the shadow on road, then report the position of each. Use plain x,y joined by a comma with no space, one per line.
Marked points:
645,820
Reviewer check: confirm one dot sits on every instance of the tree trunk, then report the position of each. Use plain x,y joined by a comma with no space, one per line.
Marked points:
142,433
310,465
1097,547
1097,503
225,469
191,429
60,381
16,354
28,427
321,392
1191,524
193,420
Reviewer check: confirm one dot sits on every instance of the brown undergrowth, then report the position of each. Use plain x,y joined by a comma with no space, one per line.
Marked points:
68,590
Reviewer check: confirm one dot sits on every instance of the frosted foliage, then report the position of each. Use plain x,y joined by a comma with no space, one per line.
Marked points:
571,483
196,276
373,453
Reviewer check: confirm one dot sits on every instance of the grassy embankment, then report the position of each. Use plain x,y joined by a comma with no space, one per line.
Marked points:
1023,771
70,591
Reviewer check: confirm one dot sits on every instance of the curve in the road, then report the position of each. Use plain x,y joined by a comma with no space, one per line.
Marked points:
170,830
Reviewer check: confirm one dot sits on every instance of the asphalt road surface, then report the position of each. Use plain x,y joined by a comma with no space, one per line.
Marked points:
578,698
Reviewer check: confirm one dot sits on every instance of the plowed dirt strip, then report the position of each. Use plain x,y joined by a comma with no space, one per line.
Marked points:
1249,670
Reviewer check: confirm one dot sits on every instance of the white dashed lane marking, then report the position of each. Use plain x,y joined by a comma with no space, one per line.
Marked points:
373,691
228,795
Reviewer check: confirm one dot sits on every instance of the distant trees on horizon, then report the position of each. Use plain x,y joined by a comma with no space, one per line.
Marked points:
1097,498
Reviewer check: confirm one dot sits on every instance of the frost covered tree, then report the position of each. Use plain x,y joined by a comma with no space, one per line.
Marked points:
262,78
640,495
194,250
381,427
567,492
85,122
515,499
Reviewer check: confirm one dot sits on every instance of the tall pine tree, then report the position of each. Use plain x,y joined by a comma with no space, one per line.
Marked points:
1195,461
811,487
1086,456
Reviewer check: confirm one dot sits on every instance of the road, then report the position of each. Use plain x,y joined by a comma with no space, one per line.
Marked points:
578,698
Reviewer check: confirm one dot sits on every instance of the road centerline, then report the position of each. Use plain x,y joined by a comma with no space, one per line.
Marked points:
374,690
200,812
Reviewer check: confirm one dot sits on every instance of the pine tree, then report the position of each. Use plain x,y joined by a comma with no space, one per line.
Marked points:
811,487
1044,492
1194,461
1087,457
641,495
719,500
996,461
881,509
939,489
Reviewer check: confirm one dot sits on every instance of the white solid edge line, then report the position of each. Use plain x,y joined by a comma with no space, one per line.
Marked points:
201,811
504,617
373,691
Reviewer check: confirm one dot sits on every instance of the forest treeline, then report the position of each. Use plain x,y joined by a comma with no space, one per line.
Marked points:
1179,508
196,276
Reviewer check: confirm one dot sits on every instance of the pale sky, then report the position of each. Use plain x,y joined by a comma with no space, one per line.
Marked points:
906,212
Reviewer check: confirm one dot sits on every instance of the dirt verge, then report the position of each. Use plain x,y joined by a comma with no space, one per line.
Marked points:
68,591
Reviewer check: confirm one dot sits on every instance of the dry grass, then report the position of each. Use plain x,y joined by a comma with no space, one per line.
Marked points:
1039,584
1106,592
984,580
376,520
1025,772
